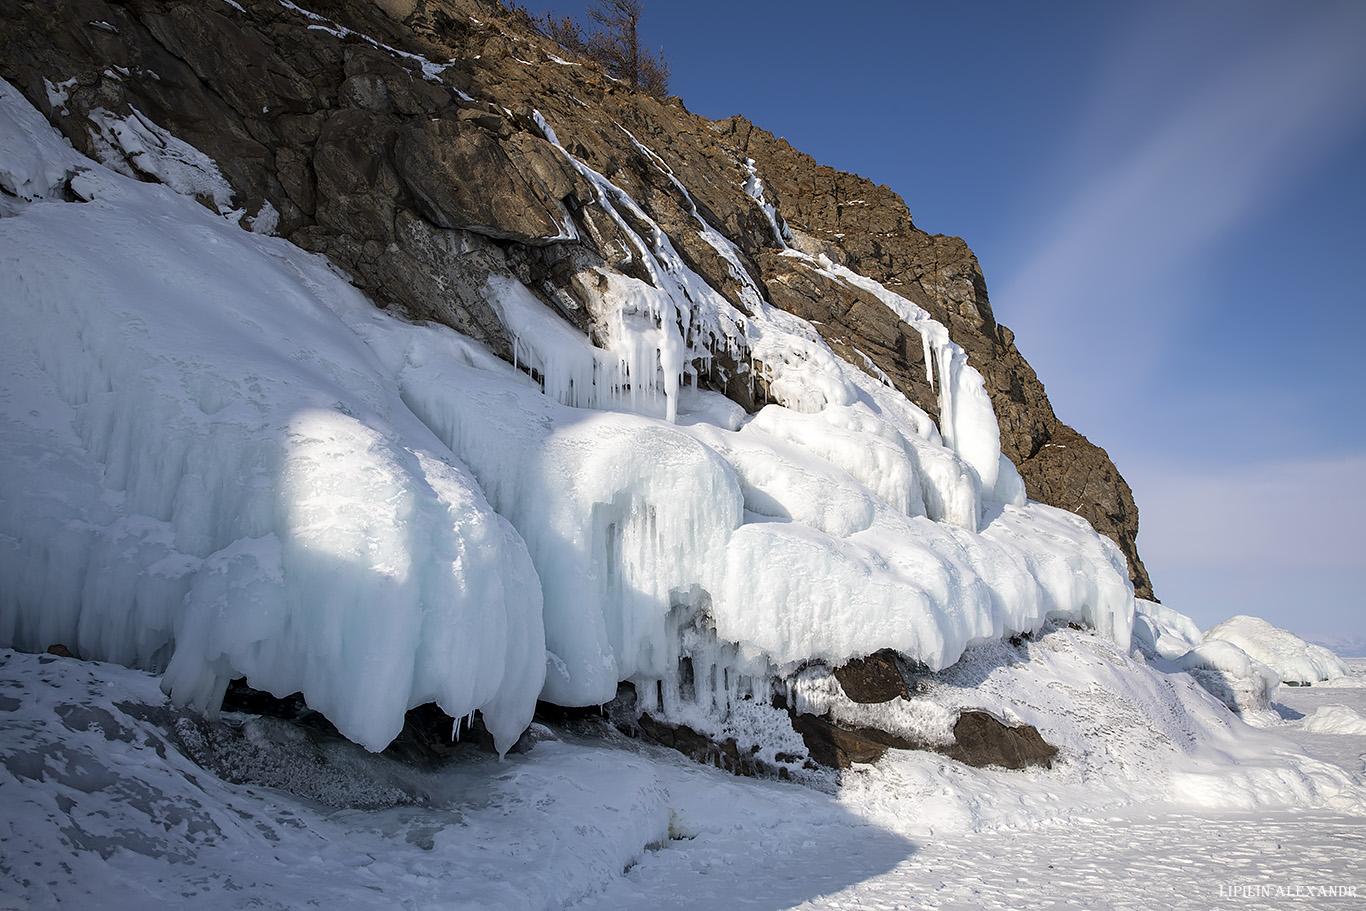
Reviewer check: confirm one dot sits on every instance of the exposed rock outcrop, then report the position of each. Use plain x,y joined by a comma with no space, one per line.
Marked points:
980,740
872,680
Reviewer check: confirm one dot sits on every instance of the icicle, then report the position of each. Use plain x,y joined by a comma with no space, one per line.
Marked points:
944,356
929,361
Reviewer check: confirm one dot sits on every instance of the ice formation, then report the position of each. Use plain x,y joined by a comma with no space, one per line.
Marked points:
1164,632
1243,683
1295,660
221,460
204,470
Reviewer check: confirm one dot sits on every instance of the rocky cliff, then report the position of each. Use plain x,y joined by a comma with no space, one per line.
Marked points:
412,143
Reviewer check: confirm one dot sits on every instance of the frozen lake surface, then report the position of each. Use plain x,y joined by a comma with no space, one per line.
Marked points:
101,810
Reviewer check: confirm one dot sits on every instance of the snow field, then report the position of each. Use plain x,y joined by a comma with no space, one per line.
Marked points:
100,808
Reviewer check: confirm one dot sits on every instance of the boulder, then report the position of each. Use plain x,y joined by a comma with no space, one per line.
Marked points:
982,740
873,679
840,746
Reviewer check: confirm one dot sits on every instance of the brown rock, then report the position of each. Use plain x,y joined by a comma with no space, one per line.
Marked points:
981,740
463,177
873,679
838,746
724,755
357,190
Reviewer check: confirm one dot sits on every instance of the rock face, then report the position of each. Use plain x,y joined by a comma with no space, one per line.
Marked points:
404,140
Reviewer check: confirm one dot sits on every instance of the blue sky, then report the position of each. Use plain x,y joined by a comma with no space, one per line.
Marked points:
1167,200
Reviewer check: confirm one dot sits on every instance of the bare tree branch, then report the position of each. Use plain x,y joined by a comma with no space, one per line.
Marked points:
614,43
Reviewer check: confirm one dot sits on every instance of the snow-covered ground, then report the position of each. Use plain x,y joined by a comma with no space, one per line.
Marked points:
1076,849
99,808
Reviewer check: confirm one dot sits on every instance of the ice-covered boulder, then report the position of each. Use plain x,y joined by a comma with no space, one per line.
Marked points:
1239,681
1335,719
1163,632
1296,661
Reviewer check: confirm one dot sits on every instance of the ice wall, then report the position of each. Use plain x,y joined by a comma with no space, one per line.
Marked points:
204,470
221,460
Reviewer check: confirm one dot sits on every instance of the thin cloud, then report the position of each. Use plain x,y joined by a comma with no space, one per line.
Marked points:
1291,514
1280,540
1245,135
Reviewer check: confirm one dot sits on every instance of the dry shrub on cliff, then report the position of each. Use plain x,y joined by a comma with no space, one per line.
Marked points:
613,41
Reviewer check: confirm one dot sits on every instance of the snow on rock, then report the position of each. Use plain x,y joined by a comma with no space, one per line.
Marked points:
1239,681
1335,719
1126,731
967,421
817,691
206,471
1162,631
1295,660
221,460
851,453
754,188
135,145
35,160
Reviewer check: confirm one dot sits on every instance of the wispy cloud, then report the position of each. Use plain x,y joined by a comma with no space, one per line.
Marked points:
1286,514
1278,539
1260,116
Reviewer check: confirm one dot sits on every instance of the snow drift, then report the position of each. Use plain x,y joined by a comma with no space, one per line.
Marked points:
1295,660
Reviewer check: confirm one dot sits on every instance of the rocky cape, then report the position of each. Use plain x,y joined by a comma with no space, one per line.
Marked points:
420,181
